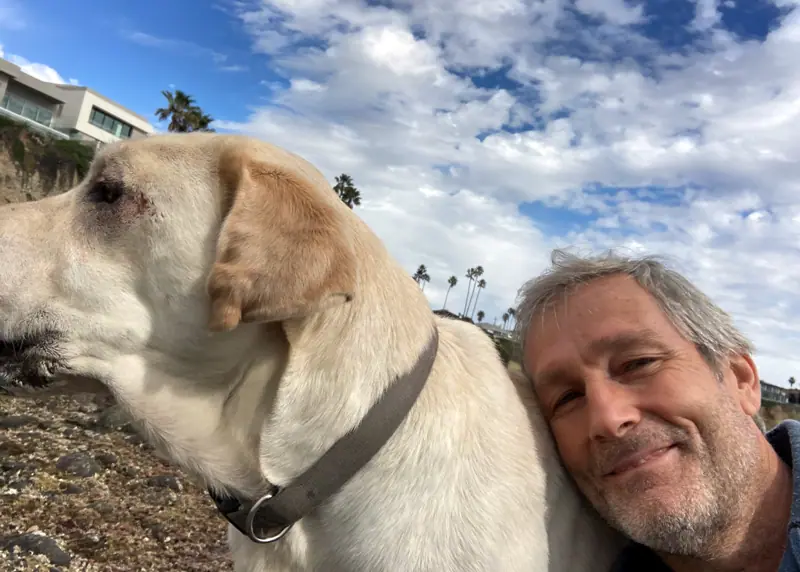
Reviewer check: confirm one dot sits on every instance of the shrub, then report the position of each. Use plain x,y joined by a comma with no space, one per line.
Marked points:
58,162
505,348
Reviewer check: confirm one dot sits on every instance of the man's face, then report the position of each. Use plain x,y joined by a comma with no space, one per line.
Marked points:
661,446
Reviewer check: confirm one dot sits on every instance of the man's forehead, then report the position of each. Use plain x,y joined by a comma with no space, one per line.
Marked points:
616,297
608,315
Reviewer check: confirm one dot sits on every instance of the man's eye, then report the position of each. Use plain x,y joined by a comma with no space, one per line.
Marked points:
565,398
636,364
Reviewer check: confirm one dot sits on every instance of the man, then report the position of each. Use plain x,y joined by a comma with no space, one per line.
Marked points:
650,393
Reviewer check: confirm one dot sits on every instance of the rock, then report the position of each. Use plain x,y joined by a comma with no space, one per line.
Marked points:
37,543
156,531
128,471
135,439
165,481
113,417
106,459
81,422
71,489
11,448
18,485
15,421
79,464
102,507
11,467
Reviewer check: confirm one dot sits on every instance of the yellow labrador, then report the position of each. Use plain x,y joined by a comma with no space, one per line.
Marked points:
218,287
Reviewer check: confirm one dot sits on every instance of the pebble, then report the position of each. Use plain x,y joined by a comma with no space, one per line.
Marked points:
165,481
79,464
15,421
37,543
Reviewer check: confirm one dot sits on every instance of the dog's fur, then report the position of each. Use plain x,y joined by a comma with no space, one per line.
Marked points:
218,287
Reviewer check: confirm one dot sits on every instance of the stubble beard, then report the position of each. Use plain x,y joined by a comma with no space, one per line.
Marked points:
694,521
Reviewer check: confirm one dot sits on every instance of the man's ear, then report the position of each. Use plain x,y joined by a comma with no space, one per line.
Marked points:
281,250
748,384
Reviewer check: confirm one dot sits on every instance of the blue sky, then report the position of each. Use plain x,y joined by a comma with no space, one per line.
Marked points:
131,51
495,131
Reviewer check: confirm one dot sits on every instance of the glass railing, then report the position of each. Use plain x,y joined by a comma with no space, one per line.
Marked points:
27,109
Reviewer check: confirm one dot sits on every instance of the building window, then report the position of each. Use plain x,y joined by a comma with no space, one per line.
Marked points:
110,124
774,393
27,109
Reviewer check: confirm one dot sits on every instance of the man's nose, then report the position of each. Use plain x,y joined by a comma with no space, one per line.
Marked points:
611,407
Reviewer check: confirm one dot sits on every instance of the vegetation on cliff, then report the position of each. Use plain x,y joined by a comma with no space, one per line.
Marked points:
59,163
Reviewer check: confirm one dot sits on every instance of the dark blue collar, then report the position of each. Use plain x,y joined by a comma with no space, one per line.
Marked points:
785,439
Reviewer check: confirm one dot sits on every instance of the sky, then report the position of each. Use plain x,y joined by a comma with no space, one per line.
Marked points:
489,133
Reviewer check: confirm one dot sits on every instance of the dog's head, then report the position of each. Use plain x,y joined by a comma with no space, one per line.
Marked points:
168,257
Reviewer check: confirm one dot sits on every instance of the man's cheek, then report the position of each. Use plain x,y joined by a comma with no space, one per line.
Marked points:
568,450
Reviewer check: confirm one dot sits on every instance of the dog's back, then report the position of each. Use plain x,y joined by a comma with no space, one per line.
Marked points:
466,484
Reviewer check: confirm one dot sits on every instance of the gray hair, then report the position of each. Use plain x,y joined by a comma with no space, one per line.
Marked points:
690,311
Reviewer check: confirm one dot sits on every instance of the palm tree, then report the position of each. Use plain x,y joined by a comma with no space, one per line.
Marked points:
452,281
480,286
421,276
481,314
200,121
478,274
512,313
347,191
791,382
505,320
183,113
470,276
425,279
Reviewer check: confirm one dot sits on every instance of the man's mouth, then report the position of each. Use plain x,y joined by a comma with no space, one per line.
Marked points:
639,460
28,365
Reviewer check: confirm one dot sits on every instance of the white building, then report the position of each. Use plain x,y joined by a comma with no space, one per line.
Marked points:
66,111
89,116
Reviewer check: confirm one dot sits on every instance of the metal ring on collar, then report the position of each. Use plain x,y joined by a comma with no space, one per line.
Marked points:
250,522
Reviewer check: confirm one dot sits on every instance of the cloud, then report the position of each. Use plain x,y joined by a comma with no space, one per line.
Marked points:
615,11
183,48
42,72
491,132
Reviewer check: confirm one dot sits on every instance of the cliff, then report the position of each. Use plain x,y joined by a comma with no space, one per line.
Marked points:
33,165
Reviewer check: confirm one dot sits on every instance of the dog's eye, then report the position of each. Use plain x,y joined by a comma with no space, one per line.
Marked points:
105,192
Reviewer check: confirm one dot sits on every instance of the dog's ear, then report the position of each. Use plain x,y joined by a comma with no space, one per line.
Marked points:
281,251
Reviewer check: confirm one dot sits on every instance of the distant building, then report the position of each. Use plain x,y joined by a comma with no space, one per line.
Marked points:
446,314
774,394
89,116
66,111
28,99
496,332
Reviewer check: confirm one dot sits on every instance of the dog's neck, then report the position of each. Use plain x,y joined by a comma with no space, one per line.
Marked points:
340,363
303,385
